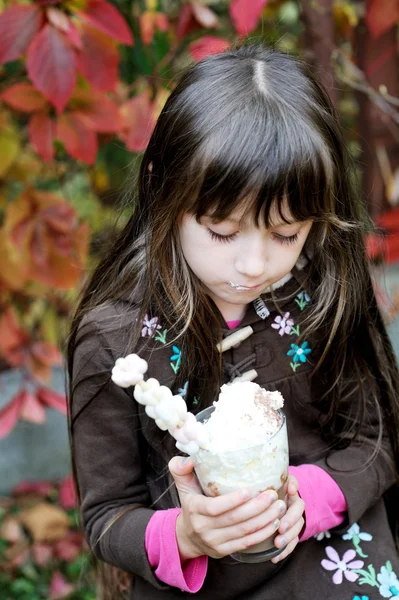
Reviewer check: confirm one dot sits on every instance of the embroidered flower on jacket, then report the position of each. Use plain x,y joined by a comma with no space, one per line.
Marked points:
361,598
150,326
284,324
323,534
302,299
354,532
299,352
389,583
183,390
342,567
175,359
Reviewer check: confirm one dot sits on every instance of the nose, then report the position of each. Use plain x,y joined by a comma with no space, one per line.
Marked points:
251,261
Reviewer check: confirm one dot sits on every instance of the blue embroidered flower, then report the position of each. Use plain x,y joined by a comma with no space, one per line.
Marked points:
175,359
354,532
361,598
183,390
299,352
302,299
389,584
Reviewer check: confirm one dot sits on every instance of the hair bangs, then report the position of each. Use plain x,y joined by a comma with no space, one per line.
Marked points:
257,163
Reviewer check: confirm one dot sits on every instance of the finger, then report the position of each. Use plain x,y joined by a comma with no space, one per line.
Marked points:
240,544
252,508
292,533
292,485
214,507
290,547
294,513
182,471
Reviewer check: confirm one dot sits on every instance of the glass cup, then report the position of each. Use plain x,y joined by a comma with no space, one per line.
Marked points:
258,468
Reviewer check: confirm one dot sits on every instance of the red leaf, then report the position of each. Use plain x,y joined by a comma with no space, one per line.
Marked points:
392,246
41,135
32,409
69,547
376,247
245,15
51,65
41,488
9,415
390,220
13,338
381,15
46,353
186,23
80,141
59,587
206,46
139,122
24,97
18,27
106,18
99,59
100,113
52,399
67,493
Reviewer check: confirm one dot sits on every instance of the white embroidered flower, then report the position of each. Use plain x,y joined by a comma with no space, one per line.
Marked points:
324,534
389,583
284,324
129,370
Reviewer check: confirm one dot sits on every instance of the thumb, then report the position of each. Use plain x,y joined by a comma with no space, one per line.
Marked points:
182,471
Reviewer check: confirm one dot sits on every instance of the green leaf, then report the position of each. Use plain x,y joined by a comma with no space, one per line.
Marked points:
388,566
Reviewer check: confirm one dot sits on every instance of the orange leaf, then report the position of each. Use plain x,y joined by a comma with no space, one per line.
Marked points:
41,135
245,15
138,122
46,353
98,60
205,16
208,45
80,141
32,410
100,113
381,15
24,97
14,339
106,18
9,414
18,27
60,217
51,65
52,399
147,26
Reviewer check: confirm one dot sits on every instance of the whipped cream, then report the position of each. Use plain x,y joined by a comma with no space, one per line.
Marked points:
245,415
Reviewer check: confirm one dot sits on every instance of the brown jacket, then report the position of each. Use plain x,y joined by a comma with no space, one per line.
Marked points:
121,463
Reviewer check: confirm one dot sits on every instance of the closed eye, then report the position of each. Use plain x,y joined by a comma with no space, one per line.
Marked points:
222,238
286,239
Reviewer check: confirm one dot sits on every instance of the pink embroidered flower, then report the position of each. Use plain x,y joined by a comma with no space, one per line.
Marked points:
150,326
342,567
284,324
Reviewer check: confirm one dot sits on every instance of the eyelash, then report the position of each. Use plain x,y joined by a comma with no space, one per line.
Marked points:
286,240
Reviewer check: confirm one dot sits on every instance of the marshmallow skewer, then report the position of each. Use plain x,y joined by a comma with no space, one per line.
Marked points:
169,411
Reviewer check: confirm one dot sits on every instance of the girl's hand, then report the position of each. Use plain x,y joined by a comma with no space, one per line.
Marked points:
223,525
292,523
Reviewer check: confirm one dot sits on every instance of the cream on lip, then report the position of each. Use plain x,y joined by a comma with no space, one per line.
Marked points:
239,287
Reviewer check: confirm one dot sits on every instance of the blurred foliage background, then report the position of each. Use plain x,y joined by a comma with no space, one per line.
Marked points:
81,85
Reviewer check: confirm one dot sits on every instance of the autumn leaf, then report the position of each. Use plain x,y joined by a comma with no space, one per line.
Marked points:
149,22
205,16
245,15
69,547
9,414
96,111
13,338
79,140
53,399
98,60
381,15
10,145
51,65
37,488
206,46
138,121
18,27
67,493
24,97
41,130
42,553
45,522
59,587
106,18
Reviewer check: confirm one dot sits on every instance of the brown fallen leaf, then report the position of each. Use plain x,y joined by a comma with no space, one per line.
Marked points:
45,522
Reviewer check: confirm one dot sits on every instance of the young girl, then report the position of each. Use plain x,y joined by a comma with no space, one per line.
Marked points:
244,216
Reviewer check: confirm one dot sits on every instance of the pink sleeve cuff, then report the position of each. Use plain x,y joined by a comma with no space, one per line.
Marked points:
325,504
163,554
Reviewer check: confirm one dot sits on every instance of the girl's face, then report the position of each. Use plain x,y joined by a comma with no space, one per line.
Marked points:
236,260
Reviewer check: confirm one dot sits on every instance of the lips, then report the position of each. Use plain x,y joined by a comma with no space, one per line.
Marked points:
243,288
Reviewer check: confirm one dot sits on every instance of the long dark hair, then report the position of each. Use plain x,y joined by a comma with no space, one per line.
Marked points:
254,125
